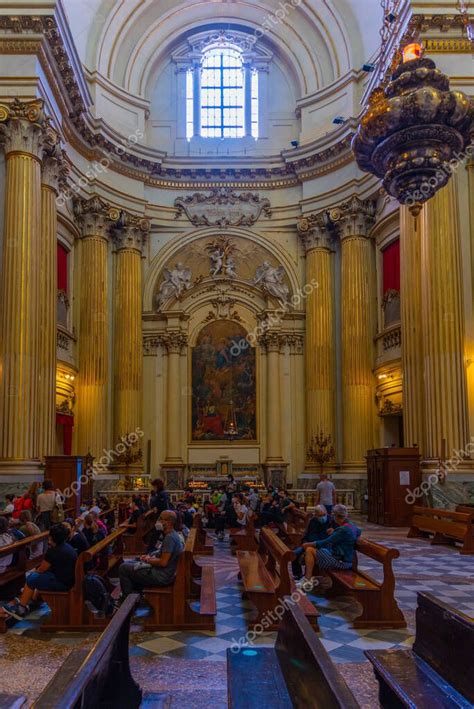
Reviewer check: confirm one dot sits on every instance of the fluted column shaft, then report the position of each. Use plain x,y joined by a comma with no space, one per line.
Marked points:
128,354
174,343
274,442
412,330
320,342
358,330
47,309
92,410
19,302
442,309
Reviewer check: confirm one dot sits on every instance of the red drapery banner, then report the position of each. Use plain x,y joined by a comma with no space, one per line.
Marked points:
62,268
391,267
67,422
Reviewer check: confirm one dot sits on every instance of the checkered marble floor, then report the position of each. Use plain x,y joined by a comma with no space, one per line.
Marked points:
421,567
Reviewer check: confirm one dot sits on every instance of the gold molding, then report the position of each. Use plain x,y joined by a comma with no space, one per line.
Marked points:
447,46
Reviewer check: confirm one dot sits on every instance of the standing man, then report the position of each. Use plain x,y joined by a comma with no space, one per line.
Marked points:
326,493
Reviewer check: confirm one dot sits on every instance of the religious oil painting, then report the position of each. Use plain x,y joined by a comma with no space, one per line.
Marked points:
223,384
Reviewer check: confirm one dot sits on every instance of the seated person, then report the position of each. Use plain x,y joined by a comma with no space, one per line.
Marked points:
9,506
6,539
335,552
136,510
55,573
317,529
241,509
98,521
76,537
29,529
156,570
290,511
92,531
270,511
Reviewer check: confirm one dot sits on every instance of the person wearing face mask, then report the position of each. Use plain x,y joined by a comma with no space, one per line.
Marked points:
317,529
156,570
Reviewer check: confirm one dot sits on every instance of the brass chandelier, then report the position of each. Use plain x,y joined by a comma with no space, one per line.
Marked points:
413,130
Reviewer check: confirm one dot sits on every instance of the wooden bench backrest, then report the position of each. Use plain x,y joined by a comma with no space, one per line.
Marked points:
23,544
445,640
87,556
108,660
277,556
310,675
463,517
384,555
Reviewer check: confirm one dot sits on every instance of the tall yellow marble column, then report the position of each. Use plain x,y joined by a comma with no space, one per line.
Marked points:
175,343
128,352
358,309
320,332
271,342
443,324
412,330
53,167
23,128
93,216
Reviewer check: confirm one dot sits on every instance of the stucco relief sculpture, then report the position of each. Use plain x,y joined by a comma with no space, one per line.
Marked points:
272,281
223,208
175,283
221,255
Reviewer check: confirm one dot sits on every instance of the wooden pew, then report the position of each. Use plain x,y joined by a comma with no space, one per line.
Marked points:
136,543
170,605
244,538
13,578
205,544
267,579
379,606
68,608
298,672
98,678
437,671
446,527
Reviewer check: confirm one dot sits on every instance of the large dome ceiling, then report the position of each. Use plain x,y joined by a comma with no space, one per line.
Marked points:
321,40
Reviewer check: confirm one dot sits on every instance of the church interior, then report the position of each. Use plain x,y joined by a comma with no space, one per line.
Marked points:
236,353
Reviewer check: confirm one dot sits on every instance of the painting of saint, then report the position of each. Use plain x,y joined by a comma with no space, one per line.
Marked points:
223,384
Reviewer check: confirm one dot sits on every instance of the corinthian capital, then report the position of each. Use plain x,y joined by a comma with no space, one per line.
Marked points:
95,217
316,232
23,126
130,232
55,171
354,217
175,342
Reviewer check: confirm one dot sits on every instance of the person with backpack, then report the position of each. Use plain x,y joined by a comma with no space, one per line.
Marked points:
159,499
47,504
55,573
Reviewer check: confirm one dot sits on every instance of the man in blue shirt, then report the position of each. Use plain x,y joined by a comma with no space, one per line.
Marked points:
316,530
334,552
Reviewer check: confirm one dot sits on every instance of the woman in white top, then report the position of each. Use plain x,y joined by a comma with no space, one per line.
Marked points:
241,510
45,503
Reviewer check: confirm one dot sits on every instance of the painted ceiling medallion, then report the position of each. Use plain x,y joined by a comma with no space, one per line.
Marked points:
223,208
413,130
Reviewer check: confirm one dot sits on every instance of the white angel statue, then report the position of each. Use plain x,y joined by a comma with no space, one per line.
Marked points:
174,284
272,280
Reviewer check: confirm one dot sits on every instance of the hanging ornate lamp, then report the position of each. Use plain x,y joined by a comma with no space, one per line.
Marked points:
413,130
